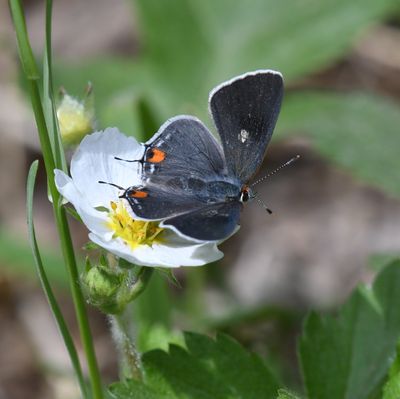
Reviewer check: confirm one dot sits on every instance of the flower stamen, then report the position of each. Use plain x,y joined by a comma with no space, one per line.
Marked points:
132,232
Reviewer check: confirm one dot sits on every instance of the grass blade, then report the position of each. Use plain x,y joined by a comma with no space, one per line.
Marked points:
30,71
63,328
48,96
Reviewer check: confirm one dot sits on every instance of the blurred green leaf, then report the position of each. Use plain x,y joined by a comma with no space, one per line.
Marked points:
133,115
242,316
111,78
152,309
379,260
16,258
154,305
190,46
349,355
145,115
208,369
359,132
169,275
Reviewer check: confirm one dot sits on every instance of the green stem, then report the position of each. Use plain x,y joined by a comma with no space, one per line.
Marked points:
30,70
130,362
79,303
130,357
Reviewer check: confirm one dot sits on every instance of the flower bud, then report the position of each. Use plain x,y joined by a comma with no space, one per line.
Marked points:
75,118
102,285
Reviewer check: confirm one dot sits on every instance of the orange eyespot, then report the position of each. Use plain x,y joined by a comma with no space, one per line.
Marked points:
155,155
138,194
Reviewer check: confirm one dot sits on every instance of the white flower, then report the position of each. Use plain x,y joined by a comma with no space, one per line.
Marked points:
108,217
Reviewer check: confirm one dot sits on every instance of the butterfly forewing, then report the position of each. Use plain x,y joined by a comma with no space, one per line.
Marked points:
183,148
245,111
179,196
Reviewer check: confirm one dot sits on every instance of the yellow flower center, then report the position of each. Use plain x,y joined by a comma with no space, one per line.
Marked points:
133,232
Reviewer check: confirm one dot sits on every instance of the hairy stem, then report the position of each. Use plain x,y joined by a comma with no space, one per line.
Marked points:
131,366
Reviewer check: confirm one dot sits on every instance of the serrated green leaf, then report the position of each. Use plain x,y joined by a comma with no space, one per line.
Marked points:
357,131
285,394
133,390
207,369
349,355
391,390
157,336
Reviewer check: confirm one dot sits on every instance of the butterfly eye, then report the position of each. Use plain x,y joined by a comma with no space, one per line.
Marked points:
244,194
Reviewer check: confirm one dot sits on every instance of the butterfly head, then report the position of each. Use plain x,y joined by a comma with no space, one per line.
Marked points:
246,193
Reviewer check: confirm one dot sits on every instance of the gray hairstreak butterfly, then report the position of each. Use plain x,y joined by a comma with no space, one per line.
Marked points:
195,185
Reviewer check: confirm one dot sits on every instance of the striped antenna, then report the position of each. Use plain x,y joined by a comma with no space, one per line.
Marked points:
112,184
262,204
291,160
127,160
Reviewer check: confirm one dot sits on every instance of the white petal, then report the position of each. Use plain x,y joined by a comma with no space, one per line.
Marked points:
95,221
191,255
140,256
95,161
162,255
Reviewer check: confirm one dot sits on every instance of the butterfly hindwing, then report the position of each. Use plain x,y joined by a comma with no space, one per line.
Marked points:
245,110
210,223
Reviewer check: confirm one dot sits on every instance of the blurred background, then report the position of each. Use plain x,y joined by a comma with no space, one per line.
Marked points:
336,211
